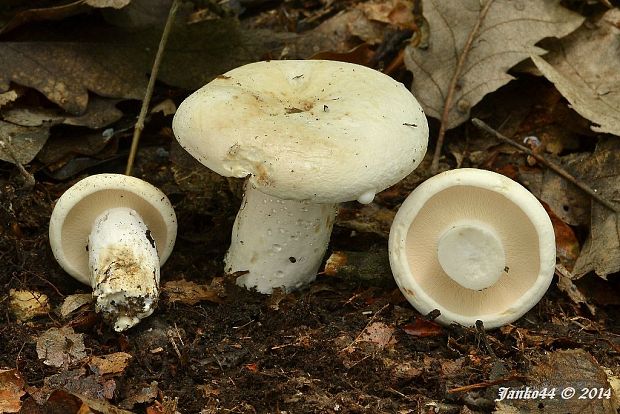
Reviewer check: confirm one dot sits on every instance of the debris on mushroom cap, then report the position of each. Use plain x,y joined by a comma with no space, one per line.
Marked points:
314,130
76,210
500,224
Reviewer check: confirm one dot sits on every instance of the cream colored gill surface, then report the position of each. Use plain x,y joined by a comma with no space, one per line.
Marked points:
518,237
80,218
318,130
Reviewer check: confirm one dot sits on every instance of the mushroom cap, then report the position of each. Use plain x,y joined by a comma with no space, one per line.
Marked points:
516,217
314,130
75,211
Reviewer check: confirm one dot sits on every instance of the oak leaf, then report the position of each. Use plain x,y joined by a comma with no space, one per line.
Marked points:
585,71
506,35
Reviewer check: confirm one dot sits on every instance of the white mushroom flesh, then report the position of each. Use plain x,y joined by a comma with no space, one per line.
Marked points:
124,267
280,243
472,255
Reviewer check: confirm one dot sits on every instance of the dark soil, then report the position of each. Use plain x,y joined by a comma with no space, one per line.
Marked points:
282,353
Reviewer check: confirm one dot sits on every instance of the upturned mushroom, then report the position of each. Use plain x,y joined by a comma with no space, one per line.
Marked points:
473,244
307,135
113,232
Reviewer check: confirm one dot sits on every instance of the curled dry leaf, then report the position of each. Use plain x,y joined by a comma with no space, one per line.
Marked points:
601,250
11,391
585,71
74,302
506,35
397,13
566,243
566,285
422,328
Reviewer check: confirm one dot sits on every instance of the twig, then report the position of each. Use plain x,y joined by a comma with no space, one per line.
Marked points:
6,146
372,319
556,168
482,335
453,83
137,132
487,384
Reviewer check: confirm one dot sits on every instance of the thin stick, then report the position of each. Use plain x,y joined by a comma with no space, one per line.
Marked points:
372,319
137,132
8,148
487,384
453,82
554,167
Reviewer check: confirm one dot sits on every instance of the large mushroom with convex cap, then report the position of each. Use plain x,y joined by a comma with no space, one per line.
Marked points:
307,135
113,232
474,245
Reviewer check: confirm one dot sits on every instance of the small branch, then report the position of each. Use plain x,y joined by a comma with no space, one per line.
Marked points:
453,83
29,180
556,168
372,319
486,384
137,132
482,335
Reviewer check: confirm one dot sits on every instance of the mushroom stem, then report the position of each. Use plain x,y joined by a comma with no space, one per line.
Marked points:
124,267
472,255
281,243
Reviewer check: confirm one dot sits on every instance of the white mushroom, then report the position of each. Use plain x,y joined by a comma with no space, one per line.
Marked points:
308,135
473,244
113,232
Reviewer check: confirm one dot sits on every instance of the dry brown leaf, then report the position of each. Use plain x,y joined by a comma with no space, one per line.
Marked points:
115,4
44,14
8,97
585,70
397,13
58,12
368,218
26,304
601,250
139,393
60,347
65,71
114,64
20,144
109,364
379,334
566,285
566,243
190,293
11,390
422,328
507,35
560,370
99,113
144,13
74,302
